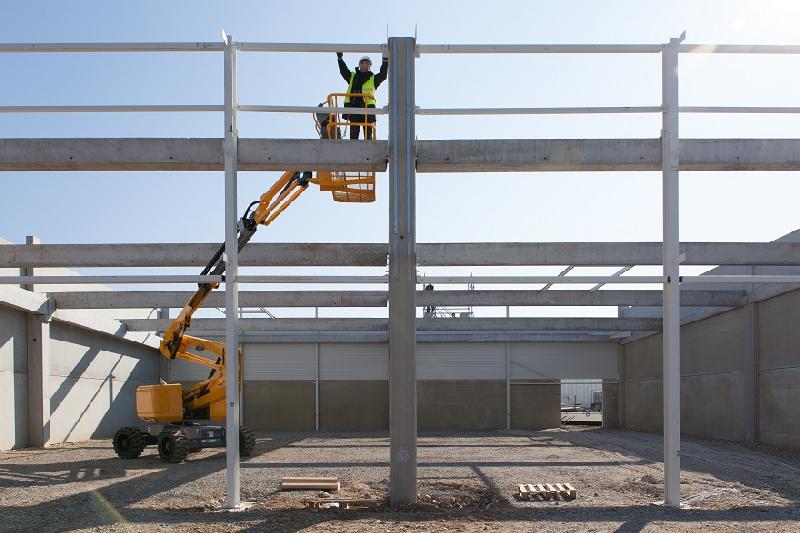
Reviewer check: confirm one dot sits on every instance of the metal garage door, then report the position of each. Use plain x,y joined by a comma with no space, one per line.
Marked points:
461,360
279,361
345,361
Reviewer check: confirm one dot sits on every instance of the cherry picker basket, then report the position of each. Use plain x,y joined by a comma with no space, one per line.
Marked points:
345,186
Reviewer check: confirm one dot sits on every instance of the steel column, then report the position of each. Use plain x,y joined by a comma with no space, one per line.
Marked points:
231,285
402,275
670,155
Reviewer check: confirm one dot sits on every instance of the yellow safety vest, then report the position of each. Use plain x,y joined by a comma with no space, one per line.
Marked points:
368,89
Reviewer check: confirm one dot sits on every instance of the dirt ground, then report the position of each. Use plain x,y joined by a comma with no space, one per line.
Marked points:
467,482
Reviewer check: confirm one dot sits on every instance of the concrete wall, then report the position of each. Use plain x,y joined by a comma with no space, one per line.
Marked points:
739,375
93,378
535,404
779,369
462,404
716,360
13,379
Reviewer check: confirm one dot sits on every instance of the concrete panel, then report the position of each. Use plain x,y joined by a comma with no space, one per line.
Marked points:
778,414
779,336
535,405
611,405
13,410
13,379
13,338
717,344
354,405
643,405
279,405
78,352
453,405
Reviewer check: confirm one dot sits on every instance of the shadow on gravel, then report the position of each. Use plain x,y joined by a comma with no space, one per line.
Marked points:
111,503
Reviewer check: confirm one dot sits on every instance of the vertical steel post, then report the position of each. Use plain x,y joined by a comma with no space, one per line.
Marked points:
670,155
316,378
402,275
508,376
231,285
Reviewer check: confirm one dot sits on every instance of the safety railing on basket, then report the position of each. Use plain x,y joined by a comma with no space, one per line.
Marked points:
346,186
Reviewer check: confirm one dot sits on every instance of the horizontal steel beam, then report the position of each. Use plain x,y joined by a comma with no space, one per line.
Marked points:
539,48
113,47
110,108
374,254
361,48
175,299
423,324
484,155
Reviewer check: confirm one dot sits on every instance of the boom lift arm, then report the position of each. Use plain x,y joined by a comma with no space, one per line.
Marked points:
176,411
207,397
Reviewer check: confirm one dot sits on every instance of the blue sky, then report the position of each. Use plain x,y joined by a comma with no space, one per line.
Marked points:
142,207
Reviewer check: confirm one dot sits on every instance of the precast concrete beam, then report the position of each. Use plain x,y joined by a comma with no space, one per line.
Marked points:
374,254
422,324
469,155
574,155
188,154
175,299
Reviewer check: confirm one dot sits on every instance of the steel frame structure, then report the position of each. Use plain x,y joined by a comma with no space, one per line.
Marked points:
401,111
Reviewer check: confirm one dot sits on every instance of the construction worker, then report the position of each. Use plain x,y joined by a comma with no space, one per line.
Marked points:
362,80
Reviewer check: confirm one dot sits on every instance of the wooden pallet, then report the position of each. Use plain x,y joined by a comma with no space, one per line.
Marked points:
310,483
548,491
344,503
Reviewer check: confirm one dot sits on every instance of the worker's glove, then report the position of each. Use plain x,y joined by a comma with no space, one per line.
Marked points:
385,58
339,55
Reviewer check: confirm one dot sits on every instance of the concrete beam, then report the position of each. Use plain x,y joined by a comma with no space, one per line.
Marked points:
604,253
422,324
374,254
188,154
422,336
556,155
479,155
175,299
194,254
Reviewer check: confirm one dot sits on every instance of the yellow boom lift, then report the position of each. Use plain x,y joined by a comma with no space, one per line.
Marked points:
181,416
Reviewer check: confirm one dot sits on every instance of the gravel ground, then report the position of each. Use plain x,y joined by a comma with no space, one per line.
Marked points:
467,482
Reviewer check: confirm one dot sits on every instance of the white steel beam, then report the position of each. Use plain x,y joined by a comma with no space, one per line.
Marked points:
537,110
539,48
112,47
110,108
311,47
670,158
232,472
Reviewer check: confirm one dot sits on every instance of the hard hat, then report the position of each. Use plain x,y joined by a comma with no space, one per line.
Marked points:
365,58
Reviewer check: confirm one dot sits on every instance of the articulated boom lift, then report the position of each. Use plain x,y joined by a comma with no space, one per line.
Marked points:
181,416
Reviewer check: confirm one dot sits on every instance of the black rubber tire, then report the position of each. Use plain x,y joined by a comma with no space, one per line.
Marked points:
172,446
247,440
129,442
